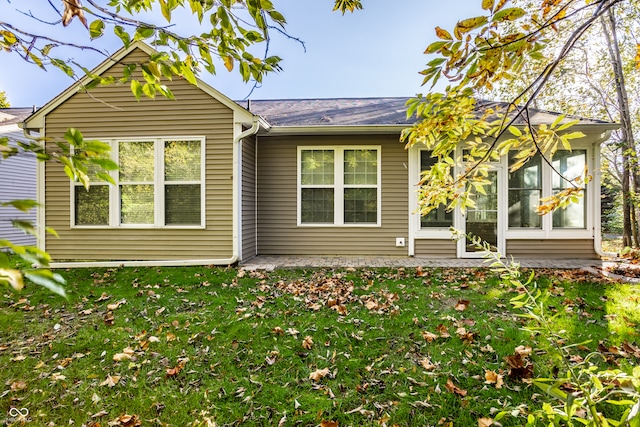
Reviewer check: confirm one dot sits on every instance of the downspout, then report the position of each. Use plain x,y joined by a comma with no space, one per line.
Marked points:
236,212
597,219
40,168
237,184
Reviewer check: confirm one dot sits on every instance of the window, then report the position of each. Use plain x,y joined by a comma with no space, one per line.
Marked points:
159,183
536,180
437,218
525,192
571,164
339,186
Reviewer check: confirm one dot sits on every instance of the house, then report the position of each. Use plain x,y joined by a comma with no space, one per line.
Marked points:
206,180
17,178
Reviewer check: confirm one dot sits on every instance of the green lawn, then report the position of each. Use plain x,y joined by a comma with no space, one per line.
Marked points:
218,346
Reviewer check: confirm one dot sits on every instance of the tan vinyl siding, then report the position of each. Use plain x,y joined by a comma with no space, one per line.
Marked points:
435,248
112,112
249,198
552,248
278,233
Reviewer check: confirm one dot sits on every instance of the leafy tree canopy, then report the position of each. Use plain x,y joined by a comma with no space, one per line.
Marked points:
4,102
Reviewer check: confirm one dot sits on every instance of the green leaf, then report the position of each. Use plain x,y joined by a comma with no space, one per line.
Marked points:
25,226
435,46
515,131
143,33
123,35
47,279
470,24
24,205
509,14
96,29
136,89
74,137
63,66
487,4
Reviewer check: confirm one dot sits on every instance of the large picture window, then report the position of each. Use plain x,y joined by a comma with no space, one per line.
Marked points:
525,192
159,184
571,164
339,186
536,180
439,217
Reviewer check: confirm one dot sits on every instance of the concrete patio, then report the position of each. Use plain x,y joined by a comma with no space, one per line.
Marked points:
271,262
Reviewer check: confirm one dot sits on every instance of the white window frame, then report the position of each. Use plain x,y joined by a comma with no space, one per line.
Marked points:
338,185
158,184
547,231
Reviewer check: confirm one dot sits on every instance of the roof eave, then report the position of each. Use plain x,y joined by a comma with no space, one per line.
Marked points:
333,130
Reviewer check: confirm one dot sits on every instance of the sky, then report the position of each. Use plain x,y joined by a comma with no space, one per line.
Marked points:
373,52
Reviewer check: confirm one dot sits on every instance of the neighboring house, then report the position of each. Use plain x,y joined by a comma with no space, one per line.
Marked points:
205,180
17,178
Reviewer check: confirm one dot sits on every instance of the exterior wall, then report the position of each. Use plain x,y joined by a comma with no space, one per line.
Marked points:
17,181
435,248
112,112
249,244
278,233
552,248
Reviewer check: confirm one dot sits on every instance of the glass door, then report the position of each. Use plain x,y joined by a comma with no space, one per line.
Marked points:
485,220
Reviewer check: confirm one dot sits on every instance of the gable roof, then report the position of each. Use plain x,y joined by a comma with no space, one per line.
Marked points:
36,120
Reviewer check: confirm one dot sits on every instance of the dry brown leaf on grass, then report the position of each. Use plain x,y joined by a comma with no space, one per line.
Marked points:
492,377
485,422
307,343
319,374
429,336
325,423
426,364
111,381
172,372
454,388
443,331
116,304
462,305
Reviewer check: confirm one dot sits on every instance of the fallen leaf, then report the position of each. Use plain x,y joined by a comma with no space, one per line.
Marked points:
443,331
485,422
103,297
111,380
325,423
116,304
429,336
307,343
454,388
426,364
319,374
492,377
277,331
462,305
99,414
18,385
58,377
171,336
109,318
172,372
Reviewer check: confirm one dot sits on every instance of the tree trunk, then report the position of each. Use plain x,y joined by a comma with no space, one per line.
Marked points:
629,189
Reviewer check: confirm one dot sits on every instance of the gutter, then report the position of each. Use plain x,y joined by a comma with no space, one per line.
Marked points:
237,140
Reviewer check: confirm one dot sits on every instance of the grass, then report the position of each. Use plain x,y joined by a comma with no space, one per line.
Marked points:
219,346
